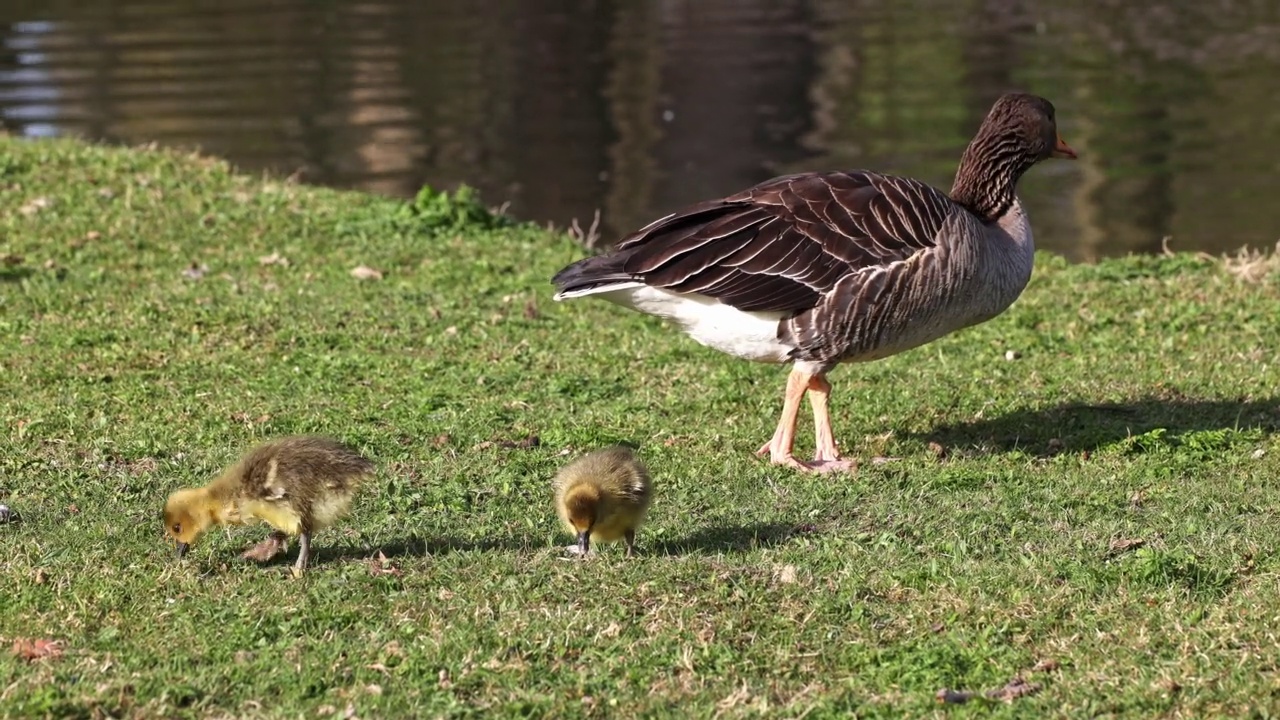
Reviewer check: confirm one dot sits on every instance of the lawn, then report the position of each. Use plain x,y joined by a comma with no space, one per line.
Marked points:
1084,499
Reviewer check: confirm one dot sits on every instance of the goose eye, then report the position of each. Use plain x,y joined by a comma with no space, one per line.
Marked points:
177,528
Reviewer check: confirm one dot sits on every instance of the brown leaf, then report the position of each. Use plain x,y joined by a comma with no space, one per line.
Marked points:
531,310
1045,665
954,697
939,452
195,271
1120,546
524,443
441,440
275,258
1016,688
35,205
364,272
31,649
11,260
382,566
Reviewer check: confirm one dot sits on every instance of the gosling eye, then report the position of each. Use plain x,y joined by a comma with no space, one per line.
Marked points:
177,528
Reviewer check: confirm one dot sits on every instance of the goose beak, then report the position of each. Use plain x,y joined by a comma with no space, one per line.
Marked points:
584,542
182,549
1062,150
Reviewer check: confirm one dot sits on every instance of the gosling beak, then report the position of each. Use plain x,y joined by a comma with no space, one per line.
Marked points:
182,549
584,542
1062,150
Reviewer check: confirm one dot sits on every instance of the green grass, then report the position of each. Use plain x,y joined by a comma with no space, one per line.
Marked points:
1105,503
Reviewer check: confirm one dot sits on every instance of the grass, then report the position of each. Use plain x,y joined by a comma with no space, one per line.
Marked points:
1097,515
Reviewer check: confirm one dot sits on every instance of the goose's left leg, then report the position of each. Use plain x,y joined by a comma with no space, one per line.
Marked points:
827,457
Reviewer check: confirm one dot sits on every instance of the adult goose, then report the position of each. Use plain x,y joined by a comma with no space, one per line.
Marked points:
821,268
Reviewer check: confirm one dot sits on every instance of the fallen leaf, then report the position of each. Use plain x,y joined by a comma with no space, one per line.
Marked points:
954,697
441,440
382,566
524,443
1014,689
938,450
35,205
11,260
92,235
31,649
531,310
274,258
364,272
787,574
1045,665
1120,546
195,271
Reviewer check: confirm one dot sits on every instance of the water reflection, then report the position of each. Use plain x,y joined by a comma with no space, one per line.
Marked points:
563,107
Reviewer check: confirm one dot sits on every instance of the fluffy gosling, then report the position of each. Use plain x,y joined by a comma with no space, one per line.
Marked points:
297,485
604,496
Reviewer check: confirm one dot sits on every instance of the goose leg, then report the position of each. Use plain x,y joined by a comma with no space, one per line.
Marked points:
780,446
827,456
631,543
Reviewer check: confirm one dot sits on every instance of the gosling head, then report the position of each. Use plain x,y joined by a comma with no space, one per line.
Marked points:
582,508
186,517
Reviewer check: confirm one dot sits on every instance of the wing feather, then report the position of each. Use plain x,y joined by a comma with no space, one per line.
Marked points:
782,245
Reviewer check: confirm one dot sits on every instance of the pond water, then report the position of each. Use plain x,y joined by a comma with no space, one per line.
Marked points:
560,108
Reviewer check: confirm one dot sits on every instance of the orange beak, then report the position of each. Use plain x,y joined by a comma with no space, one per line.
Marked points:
1062,150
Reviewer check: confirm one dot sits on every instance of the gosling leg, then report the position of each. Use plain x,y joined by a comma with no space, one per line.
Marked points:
304,553
631,543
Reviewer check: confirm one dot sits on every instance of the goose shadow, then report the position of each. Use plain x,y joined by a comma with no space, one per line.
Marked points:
1089,426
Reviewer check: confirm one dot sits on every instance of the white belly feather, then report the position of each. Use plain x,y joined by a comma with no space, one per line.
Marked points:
747,335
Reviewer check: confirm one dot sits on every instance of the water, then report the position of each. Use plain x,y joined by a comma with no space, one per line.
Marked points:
634,107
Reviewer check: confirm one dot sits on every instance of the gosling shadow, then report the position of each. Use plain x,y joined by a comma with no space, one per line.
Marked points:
729,539
1089,426
412,546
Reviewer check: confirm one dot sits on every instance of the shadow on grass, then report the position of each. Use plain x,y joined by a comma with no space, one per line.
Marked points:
410,547
1080,426
731,539
14,275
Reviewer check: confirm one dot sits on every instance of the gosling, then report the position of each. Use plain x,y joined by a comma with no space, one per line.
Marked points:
604,496
297,485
